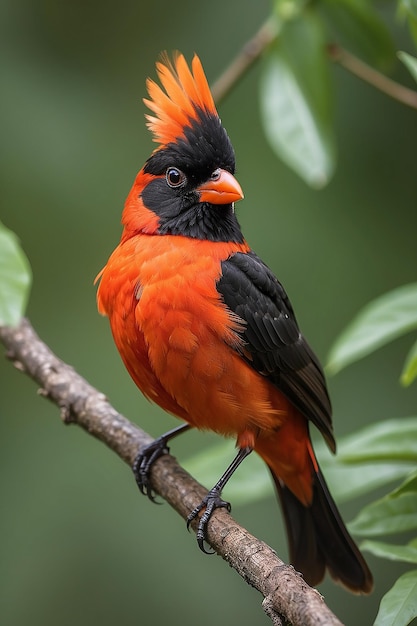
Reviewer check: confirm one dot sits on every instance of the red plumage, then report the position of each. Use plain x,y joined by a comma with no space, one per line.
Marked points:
206,330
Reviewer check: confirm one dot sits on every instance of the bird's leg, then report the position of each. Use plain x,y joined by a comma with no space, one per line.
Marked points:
213,499
147,456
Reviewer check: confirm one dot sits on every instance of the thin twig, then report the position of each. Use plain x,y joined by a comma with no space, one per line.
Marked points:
269,32
371,76
285,592
247,56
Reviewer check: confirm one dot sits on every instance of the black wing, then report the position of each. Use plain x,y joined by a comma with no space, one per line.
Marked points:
275,346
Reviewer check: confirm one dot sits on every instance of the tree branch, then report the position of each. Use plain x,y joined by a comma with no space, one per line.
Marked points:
244,60
286,595
371,76
269,32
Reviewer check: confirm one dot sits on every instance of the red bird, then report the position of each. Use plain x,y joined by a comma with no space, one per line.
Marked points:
207,331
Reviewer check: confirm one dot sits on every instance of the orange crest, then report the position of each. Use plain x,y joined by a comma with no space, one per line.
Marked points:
186,92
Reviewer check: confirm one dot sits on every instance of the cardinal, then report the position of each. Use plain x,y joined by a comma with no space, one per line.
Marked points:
207,331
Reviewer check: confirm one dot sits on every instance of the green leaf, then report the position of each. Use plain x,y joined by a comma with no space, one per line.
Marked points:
381,321
408,486
372,457
394,513
406,554
15,278
409,372
388,440
410,63
349,481
358,26
296,100
387,516
399,606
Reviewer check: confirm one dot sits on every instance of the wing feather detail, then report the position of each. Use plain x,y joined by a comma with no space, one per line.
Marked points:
274,345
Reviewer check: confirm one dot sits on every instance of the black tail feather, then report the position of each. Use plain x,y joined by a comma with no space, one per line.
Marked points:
318,539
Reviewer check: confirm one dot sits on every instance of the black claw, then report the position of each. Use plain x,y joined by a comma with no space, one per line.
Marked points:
210,503
148,455
142,465
200,542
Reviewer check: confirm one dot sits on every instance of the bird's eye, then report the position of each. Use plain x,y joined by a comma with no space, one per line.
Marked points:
216,174
174,177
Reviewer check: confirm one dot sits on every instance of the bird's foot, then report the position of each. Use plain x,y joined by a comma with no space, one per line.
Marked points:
210,503
143,462
148,455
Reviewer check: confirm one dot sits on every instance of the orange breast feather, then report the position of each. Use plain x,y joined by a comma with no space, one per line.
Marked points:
179,342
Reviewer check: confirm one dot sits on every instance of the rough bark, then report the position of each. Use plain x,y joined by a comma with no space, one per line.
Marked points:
287,597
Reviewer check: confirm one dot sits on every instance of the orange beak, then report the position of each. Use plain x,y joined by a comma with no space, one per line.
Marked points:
223,189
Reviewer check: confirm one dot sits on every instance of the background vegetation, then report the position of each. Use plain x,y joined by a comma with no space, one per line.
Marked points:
79,545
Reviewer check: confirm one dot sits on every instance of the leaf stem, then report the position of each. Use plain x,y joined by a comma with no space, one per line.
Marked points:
371,76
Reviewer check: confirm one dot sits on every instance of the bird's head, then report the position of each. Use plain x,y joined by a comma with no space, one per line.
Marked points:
187,186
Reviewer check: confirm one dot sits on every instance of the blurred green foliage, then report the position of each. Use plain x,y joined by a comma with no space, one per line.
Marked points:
390,316
78,543
15,278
